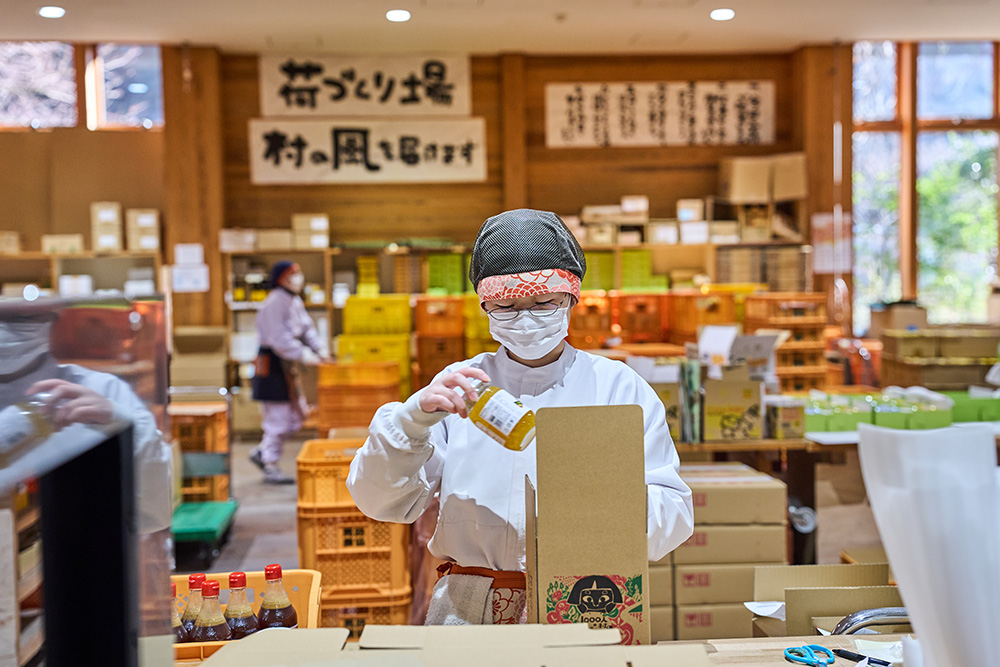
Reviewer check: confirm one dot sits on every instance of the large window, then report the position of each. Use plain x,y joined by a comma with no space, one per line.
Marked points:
925,177
37,85
132,83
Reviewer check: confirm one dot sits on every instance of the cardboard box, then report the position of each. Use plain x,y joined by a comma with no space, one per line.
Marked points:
311,222
664,233
734,544
664,376
789,178
713,621
720,468
694,233
10,243
784,417
896,316
601,234
306,240
237,240
714,583
661,623
745,180
635,204
104,213
199,370
275,239
690,210
738,499
661,585
106,238
142,218
200,340
62,244
143,239
731,406
575,467
82,285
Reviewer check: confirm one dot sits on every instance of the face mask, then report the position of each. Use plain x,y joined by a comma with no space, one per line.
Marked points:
21,343
530,337
296,281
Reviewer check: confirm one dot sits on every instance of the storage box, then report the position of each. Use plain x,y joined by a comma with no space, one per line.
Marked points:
733,544
237,240
142,218
106,213
575,466
789,178
62,244
106,237
311,222
309,240
694,233
664,376
701,583
439,316
896,316
601,234
661,585
661,623
690,210
666,233
745,180
784,417
82,285
275,239
10,243
713,621
435,353
732,406
143,239
735,499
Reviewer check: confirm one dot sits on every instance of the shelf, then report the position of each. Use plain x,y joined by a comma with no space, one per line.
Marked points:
27,519
29,583
743,445
38,255
244,306
28,649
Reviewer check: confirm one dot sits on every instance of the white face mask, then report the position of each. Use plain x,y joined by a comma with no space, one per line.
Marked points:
530,337
296,281
21,343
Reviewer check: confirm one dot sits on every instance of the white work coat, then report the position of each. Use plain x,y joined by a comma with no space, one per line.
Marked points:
411,455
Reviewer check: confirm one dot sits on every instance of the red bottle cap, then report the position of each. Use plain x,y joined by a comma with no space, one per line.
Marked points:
173,589
195,581
272,572
210,588
238,580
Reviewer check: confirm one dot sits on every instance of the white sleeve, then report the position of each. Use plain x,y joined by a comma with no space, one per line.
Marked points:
127,406
396,473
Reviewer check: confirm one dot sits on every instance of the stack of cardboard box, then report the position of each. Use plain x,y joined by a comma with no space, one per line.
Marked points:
106,226
740,523
310,231
142,229
200,357
942,359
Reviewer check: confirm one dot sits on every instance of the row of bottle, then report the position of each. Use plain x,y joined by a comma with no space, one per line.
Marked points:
204,620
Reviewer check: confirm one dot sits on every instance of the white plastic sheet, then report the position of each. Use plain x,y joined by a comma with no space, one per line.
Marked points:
936,502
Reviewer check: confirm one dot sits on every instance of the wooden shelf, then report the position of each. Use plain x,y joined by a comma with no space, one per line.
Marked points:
742,445
27,519
29,649
29,583
245,306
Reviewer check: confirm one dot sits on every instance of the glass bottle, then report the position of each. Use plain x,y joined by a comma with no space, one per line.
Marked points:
500,416
239,614
180,634
276,610
193,608
211,625
23,424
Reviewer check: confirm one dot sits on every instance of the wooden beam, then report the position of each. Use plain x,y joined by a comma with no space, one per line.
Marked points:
908,169
514,128
193,169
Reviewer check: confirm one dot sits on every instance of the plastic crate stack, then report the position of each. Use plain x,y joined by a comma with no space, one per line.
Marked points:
202,428
590,321
368,274
440,326
363,563
377,328
446,273
349,394
690,309
477,328
600,271
800,364
641,318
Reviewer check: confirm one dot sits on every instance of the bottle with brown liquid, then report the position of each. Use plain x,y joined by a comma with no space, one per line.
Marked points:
239,614
276,610
180,634
211,625
193,607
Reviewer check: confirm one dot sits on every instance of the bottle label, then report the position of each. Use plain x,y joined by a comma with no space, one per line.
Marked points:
503,412
15,427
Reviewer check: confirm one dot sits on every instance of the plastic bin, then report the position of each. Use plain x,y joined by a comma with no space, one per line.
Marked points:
322,467
365,348
439,316
355,612
434,354
639,317
352,405
200,427
385,314
377,373
355,554
302,587
445,272
691,309
780,308
475,346
477,322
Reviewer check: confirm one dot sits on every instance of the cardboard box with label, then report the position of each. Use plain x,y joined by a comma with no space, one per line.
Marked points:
142,229
661,584
311,222
10,243
586,524
713,621
664,376
750,543
309,240
902,315
731,406
200,357
661,619
714,583
106,226
789,178
62,244
237,240
745,180
275,239
737,499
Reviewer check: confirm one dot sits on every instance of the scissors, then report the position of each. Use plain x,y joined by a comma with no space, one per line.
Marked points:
812,655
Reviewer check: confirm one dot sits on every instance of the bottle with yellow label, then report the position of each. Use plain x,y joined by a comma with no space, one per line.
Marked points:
501,416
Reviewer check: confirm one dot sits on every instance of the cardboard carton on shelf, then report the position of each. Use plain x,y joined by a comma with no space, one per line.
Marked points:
901,315
664,376
311,222
275,239
745,180
81,285
763,543
10,243
105,213
714,583
737,499
732,406
729,620
690,210
662,232
310,240
62,244
106,238
789,177
142,229
577,543
237,240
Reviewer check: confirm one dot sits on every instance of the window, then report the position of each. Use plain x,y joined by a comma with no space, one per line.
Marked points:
955,80
37,85
874,81
132,81
354,537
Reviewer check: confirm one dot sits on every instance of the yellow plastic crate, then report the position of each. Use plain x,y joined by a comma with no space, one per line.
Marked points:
477,322
322,467
385,314
368,373
365,348
355,612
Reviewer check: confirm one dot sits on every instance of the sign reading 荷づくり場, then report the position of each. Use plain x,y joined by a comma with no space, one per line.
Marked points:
664,113
365,86
363,151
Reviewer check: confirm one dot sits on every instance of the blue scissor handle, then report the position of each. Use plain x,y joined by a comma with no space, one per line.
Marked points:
812,655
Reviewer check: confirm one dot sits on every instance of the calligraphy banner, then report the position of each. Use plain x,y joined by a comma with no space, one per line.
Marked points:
365,86
672,113
364,151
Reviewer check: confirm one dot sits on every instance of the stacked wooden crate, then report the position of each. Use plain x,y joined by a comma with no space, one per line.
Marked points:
800,364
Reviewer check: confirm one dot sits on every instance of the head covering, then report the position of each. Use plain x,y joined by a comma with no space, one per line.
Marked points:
525,252
278,270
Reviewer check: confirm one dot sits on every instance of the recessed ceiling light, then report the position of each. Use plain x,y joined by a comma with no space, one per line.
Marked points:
722,14
398,15
51,12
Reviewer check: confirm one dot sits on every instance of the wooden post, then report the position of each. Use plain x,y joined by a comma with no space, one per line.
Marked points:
514,128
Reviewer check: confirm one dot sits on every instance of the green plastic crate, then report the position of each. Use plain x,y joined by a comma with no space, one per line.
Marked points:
202,522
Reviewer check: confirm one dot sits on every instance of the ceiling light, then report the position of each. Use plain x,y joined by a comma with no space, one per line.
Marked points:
398,15
51,12
722,14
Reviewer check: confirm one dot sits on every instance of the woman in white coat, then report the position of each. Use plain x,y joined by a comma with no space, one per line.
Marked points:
527,268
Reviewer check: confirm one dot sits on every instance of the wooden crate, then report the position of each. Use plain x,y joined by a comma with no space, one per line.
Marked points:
691,309
205,489
777,309
200,427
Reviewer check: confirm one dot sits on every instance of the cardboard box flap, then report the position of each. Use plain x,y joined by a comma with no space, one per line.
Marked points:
280,648
448,636
804,604
770,583
692,655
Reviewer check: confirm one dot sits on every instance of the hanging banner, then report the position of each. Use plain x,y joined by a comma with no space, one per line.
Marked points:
673,113
363,86
364,151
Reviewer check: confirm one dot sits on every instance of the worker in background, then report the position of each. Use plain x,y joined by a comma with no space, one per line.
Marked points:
527,268
287,337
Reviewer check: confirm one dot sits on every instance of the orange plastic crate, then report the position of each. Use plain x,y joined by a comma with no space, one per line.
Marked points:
691,309
360,373
794,358
355,554
780,308
322,467
803,382
200,427
355,612
205,489
592,313
302,587
639,317
342,406
434,354
439,316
